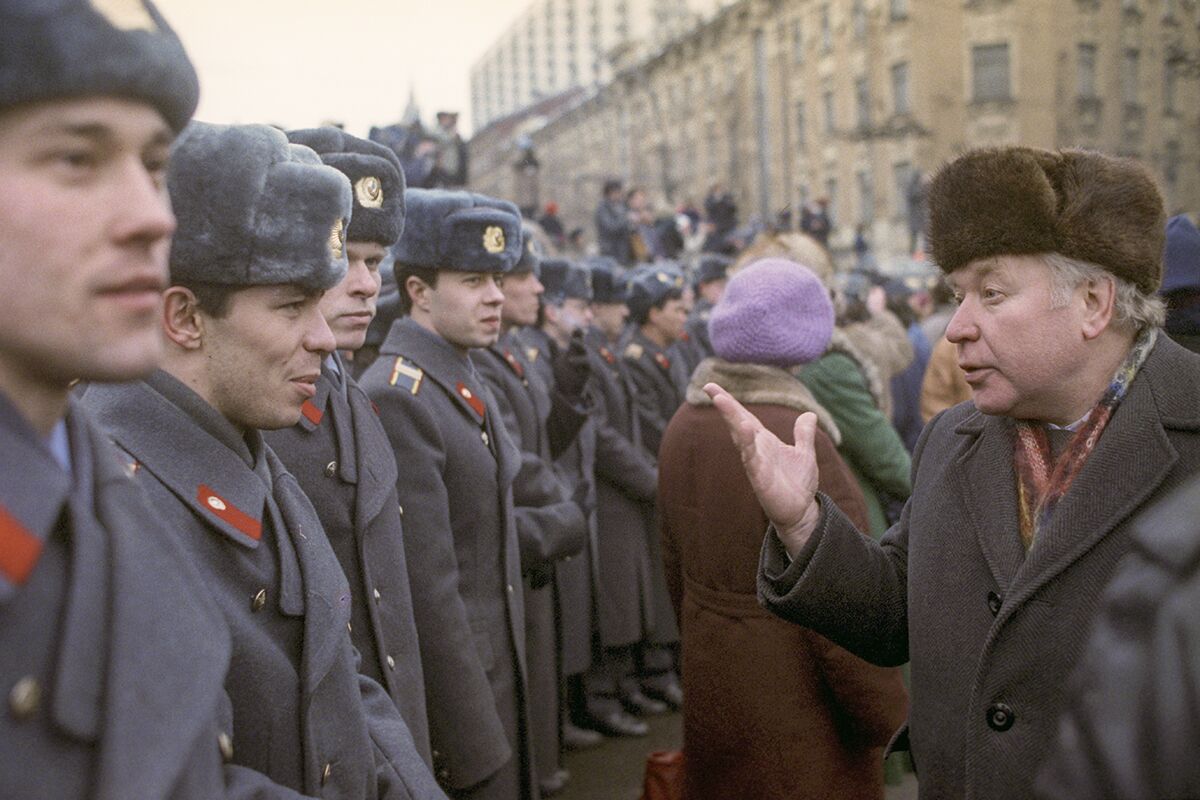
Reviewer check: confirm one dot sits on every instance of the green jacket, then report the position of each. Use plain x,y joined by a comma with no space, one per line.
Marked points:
870,445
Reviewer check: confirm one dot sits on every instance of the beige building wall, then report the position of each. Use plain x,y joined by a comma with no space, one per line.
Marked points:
743,101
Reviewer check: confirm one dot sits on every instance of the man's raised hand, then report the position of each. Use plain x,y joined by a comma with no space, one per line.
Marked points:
784,476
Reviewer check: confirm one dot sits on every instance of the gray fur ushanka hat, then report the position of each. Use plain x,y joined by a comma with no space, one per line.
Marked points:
57,49
1024,201
375,175
648,285
254,210
562,279
459,231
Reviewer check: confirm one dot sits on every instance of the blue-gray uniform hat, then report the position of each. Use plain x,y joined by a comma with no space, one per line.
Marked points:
562,279
253,209
712,267
531,252
608,284
460,231
648,285
55,49
375,175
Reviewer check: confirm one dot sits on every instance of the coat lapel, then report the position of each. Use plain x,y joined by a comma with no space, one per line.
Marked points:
1128,463
161,695
988,493
377,472
326,592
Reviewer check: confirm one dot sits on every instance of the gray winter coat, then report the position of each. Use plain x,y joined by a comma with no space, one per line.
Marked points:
114,627
992,632
340,455
457,466
303,716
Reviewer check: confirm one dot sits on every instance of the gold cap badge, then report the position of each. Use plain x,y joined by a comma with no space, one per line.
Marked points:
369,192
126,15
493,239
337,239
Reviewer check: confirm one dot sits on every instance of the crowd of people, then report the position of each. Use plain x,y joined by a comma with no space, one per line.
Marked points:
317,483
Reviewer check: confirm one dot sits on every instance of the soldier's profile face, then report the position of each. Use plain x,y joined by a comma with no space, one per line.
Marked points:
349,307
521,293
264,355
610,318
85,224
464,308
669,320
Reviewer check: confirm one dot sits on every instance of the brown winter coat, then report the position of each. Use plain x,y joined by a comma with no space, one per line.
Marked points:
773,710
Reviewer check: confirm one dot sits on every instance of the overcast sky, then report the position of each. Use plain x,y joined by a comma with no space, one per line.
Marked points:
302,62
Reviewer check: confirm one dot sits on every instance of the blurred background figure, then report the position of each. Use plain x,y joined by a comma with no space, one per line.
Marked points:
1181,282
773,710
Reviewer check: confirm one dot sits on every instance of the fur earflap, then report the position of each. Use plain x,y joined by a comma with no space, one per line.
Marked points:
1024,201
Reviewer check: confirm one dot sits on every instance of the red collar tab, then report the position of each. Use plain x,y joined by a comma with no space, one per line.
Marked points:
473,400
662,360
512,362
228,512
20,549
312,413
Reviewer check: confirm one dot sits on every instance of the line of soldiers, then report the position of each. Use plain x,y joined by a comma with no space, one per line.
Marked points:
236,563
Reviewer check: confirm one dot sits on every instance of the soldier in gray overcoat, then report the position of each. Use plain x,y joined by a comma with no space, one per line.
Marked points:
112,655
457,466
260,237
339,453
657,316
550,525
626,484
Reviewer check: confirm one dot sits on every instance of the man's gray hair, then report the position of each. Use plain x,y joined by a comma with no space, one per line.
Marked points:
1132,309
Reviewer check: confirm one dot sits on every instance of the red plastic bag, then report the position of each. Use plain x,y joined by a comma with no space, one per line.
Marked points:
664,776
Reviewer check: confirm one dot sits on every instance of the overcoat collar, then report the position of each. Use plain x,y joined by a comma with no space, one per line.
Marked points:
442,362
1128,463
191,448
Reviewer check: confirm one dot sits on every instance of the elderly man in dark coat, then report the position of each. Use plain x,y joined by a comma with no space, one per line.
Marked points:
1083,413
457,468
112,656
339,453
260,237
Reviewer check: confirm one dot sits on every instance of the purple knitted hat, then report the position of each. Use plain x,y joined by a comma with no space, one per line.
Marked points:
774,312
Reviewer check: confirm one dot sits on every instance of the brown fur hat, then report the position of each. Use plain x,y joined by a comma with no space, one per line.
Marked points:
1023,201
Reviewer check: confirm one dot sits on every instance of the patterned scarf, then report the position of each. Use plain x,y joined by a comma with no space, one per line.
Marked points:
1042,480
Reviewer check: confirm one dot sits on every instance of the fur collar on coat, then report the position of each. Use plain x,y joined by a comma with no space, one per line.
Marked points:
759,383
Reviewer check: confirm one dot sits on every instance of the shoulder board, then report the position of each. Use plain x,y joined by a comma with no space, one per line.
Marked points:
406,375
634,351
532,354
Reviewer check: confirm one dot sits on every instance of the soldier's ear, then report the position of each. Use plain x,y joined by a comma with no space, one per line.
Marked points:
182,321
418,292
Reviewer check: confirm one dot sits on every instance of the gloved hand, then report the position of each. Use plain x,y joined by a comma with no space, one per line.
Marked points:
571,368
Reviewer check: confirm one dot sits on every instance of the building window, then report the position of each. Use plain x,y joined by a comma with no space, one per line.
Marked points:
900,104
827,103
826,30
862,103
797,42
1170,89
898,9
989,73
859,17
1086,72
801,123
1129,78
866,198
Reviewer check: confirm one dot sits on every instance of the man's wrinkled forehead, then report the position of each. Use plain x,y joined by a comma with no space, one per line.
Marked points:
975,271
100,119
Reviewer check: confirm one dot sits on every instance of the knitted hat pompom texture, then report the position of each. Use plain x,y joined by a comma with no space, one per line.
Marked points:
1024,201
774,312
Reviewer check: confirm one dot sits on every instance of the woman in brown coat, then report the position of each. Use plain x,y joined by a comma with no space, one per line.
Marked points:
772,710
